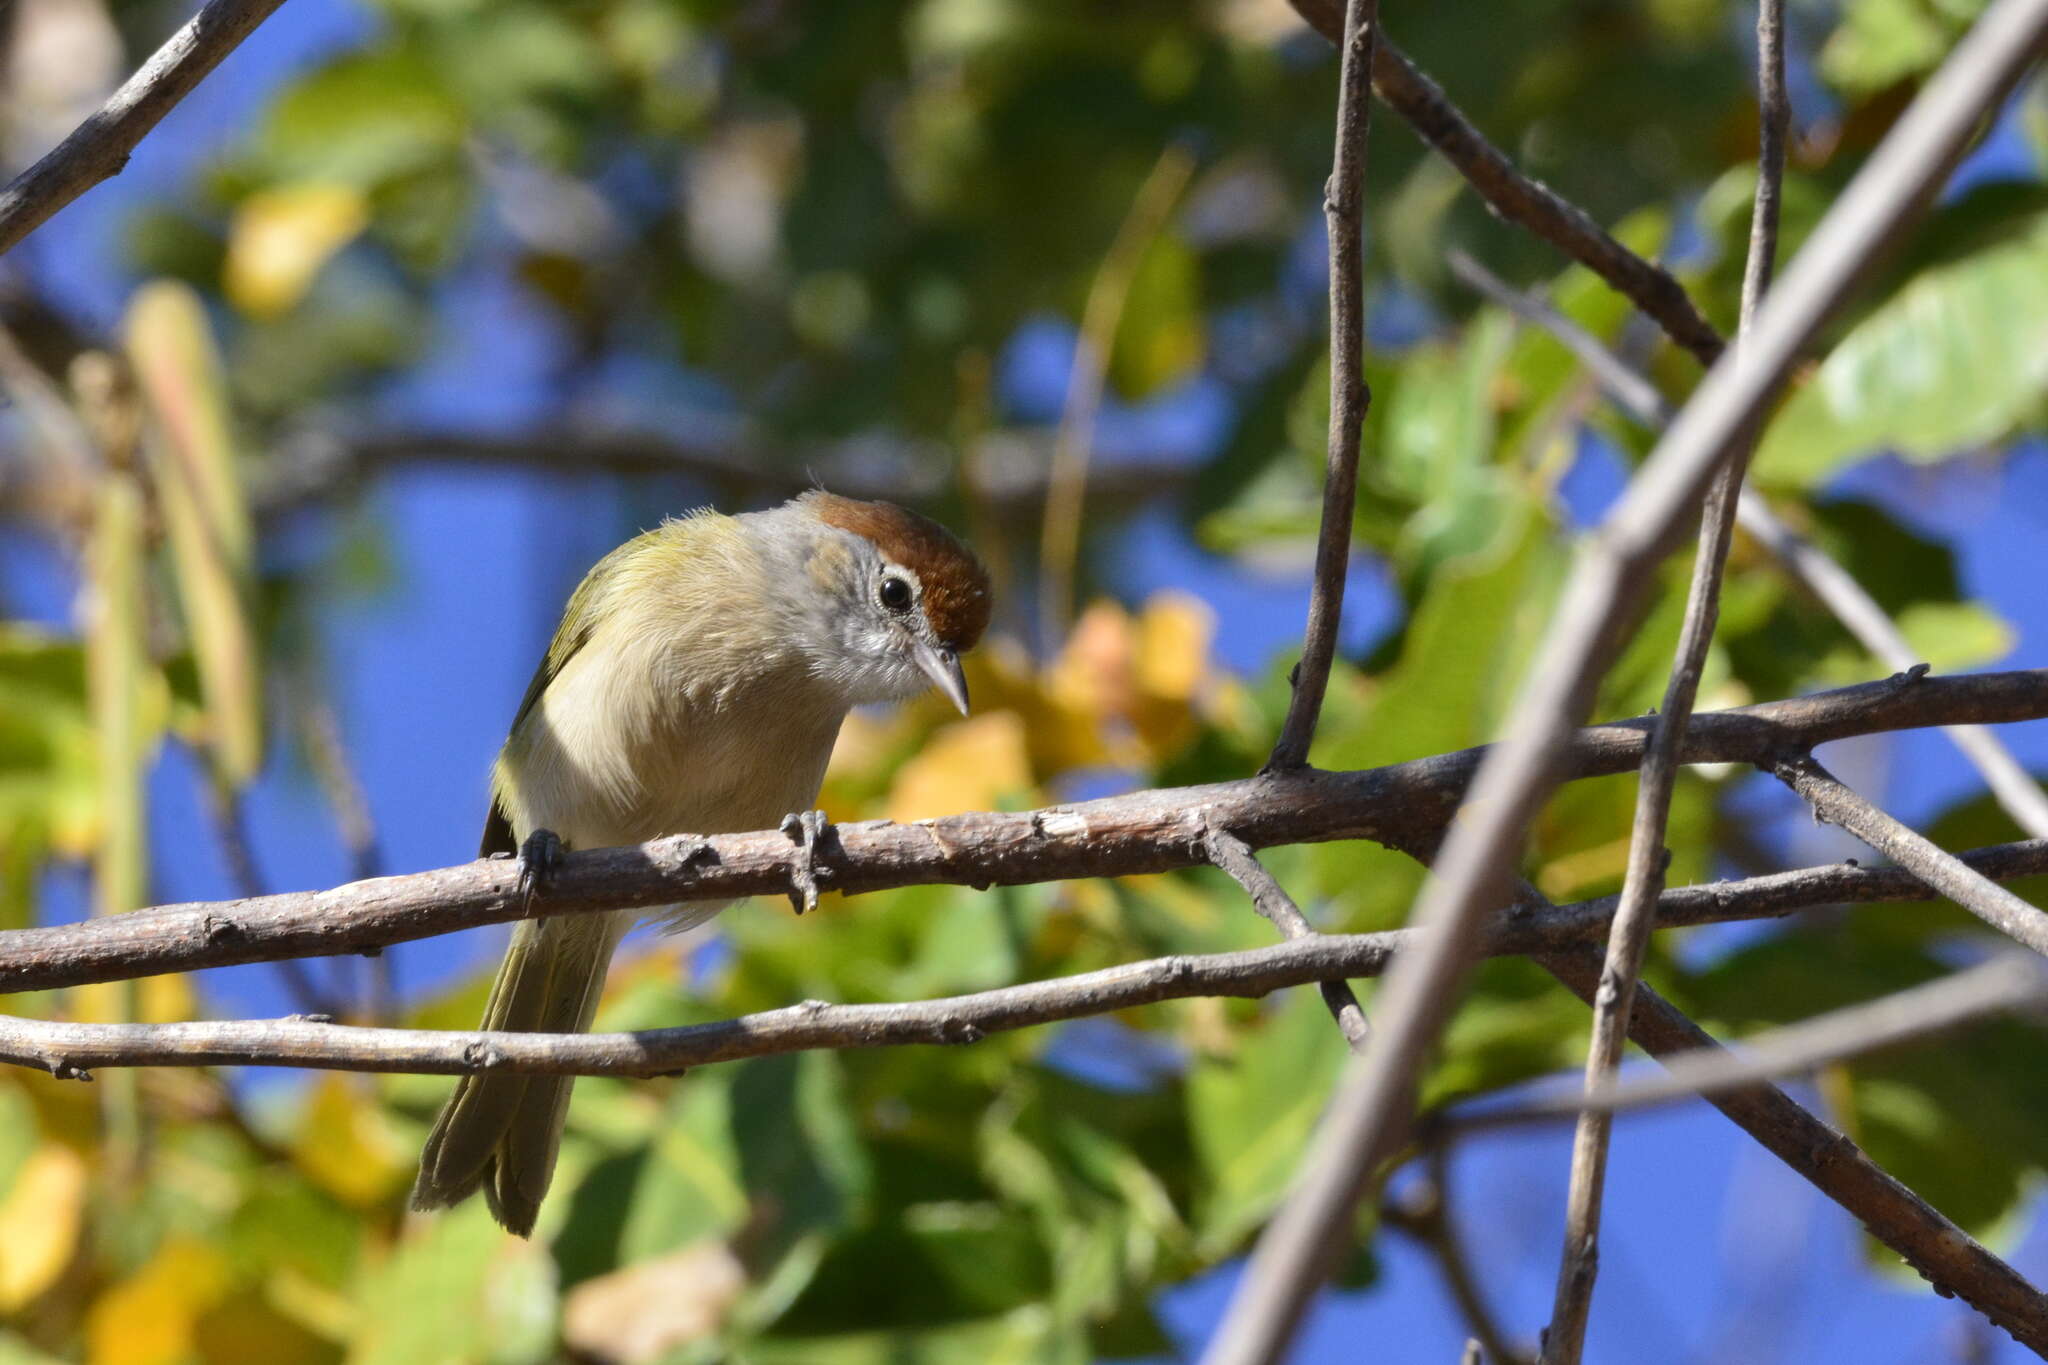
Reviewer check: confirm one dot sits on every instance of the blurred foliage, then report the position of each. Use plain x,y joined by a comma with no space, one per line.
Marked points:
834,220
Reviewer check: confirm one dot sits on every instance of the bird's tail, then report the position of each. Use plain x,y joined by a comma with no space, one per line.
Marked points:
501,1133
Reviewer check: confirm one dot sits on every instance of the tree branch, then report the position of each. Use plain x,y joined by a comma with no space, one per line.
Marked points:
99,147
1148,831
1422,1213
1271,900
2010,983
1812,567
1953,878
1601,601
1947,1257
1565,1341
1544,932
1516,197
1344,219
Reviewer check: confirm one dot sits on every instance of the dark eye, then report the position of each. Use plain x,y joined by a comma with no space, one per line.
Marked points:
895,594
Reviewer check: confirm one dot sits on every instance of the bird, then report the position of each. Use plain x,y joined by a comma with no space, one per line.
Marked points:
696,684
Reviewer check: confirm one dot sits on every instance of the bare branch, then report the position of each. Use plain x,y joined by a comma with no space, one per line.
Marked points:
1953,878
1271,900
1518,198
1148,831
2011,785
1565,1341
98,148
1602,599
1543,932
1421,1213
1947,1257
1812,567
1344,219
2009,983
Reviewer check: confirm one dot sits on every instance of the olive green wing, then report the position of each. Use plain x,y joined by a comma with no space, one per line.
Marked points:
579,622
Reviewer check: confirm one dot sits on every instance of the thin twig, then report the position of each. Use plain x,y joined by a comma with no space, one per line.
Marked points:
1518,198
327,755
231,832
1544,933
98,148
2011,785
1812,567
1561,938
1565,1341
1946,873
1344,218
2010,983
1422,1213
1271,900
1601,601
1148,831
1074,444
1951,1260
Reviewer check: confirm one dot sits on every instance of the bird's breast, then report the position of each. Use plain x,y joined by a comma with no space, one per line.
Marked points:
629,742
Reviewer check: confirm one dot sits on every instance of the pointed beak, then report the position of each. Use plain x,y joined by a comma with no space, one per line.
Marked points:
942,666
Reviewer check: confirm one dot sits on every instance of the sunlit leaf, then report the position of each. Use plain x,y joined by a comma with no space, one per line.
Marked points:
151,1318
346,1145
280,239
974,764
39,1223
1162,335
116,662
1956,359
199,485
1251,1114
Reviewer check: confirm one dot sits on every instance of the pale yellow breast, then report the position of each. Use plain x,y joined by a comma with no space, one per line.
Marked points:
683,712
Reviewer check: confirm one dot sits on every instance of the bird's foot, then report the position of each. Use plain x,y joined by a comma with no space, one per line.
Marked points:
806,829
540,857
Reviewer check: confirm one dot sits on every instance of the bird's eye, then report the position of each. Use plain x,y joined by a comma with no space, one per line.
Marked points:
894,594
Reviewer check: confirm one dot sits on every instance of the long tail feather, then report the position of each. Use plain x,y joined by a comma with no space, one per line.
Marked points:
501,1134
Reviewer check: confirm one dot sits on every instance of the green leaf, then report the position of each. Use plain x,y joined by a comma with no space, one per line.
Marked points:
1951,636
799,1153
1960,1120
117,659
1881,42
1957,359
457,1290
364,119
1162,336
1251,1113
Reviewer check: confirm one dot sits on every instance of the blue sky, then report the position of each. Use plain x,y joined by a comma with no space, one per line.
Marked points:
1714,1251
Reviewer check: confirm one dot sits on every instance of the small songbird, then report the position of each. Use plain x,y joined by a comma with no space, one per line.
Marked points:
695,685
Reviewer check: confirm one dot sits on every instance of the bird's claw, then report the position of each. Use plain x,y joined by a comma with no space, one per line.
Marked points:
540,857
806,829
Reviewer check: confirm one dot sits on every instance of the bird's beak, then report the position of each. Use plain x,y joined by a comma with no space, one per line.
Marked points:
942,666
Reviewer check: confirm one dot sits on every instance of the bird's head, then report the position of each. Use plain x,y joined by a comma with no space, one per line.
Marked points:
898,599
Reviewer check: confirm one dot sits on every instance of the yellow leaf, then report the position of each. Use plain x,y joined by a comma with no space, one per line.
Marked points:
1060,735
345,1144
1093,672
1172,650
1173,645
39,1223
281,238
149,1318
966,766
